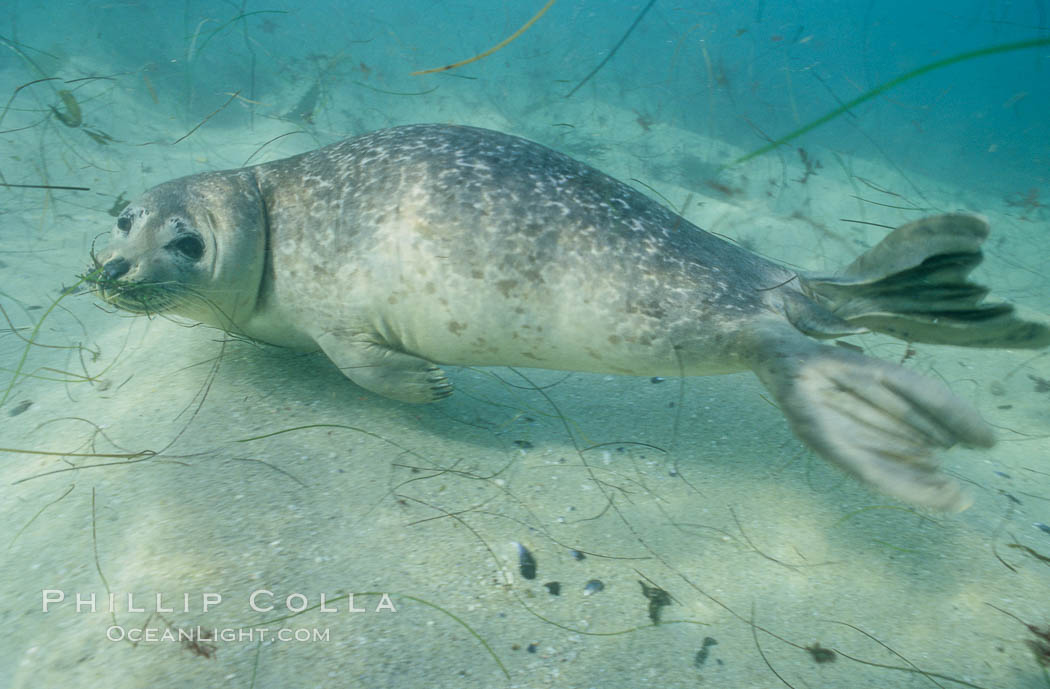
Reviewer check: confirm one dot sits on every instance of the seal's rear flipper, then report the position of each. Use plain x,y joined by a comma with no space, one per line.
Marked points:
913,285
878,421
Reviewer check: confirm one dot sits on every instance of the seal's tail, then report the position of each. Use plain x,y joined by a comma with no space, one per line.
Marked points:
878,421
913,285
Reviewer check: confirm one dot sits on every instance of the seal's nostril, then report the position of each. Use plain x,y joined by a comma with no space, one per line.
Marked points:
116,268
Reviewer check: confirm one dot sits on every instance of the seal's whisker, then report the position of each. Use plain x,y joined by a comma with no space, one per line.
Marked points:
229,324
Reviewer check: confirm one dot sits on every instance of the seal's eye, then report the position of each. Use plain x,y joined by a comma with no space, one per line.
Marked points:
189,245
124,224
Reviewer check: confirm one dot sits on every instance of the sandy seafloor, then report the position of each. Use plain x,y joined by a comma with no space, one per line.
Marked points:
696,486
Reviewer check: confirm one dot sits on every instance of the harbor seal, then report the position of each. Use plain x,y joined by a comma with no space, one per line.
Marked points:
421,245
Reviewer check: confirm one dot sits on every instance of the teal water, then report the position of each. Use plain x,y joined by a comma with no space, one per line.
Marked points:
122,467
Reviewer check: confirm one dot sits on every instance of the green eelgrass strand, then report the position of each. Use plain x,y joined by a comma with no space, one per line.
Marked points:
882,88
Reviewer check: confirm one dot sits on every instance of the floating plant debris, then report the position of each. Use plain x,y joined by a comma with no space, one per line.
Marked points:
593,586
701,655
609,55
886,86
99,137
1030,551
821,655
501,44
118,206
1040,645
19,408
658,599
71,117
526,562
1041,384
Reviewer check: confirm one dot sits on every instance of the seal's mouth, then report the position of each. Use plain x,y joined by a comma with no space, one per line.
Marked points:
141,298
147,298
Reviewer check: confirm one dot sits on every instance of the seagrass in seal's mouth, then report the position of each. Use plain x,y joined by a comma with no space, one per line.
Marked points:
139,297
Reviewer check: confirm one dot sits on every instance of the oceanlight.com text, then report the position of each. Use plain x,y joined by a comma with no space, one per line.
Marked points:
194,635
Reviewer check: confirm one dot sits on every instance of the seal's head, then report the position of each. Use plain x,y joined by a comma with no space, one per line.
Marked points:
192,247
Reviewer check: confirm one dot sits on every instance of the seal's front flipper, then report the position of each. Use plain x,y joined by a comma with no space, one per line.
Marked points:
386,371
914,285
878,421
